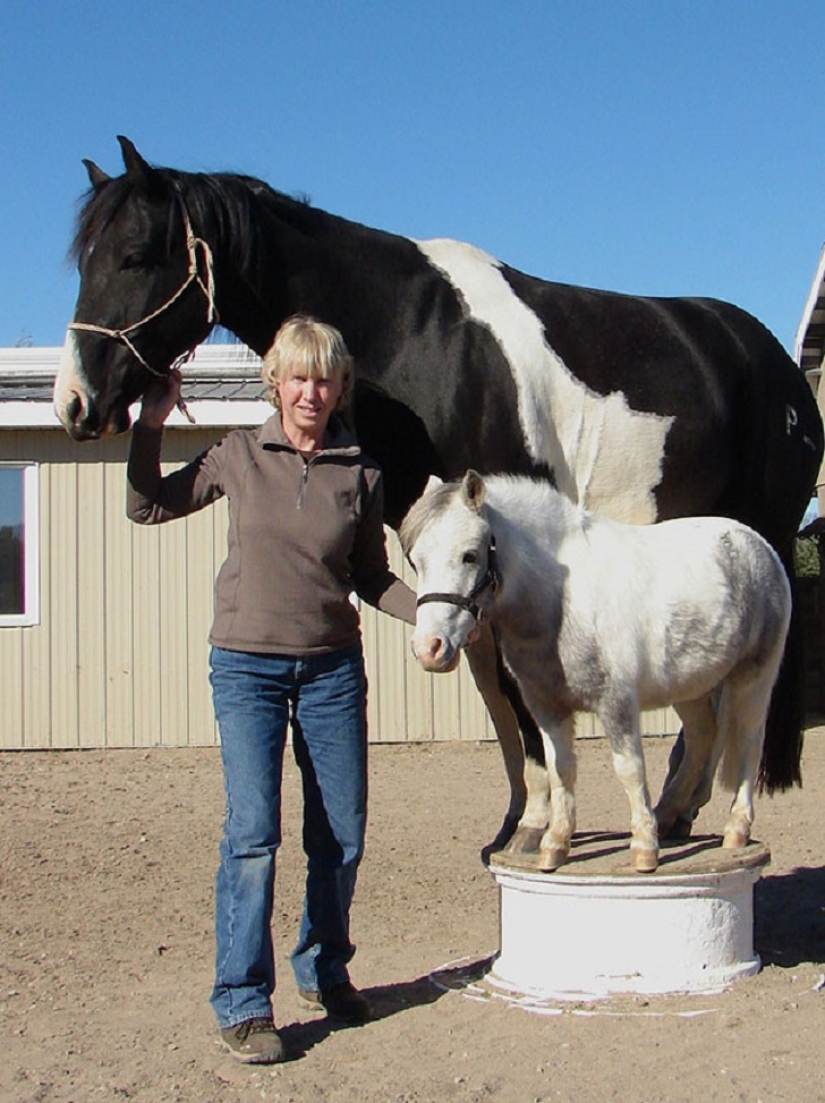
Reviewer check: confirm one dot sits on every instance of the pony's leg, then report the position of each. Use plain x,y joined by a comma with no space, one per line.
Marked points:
742,718
629,766
528,811
690,780
558,737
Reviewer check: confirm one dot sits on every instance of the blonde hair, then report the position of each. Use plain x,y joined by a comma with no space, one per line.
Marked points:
305,346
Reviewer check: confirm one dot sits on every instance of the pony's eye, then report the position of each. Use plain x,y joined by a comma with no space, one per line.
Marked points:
469,557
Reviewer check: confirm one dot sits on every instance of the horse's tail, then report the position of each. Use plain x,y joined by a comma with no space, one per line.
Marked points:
784,457
780,767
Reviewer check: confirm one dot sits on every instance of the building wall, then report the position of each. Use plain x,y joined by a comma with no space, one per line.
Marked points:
119,657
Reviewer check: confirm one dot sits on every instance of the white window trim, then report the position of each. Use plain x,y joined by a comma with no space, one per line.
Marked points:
31,549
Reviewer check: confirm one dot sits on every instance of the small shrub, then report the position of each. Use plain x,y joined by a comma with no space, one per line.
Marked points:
806,557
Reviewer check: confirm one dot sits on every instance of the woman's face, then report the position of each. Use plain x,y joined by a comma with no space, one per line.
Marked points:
306,405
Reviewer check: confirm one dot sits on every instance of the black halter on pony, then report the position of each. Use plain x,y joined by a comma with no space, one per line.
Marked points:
488,581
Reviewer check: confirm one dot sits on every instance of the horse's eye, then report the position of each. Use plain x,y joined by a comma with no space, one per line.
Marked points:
133,260
469,557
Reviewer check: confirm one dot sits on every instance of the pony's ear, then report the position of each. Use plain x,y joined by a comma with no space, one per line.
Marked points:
97,177
432,483
135,164
472,490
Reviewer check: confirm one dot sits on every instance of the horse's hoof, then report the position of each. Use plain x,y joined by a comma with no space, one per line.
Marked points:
644,860
735,840
525,840
680,829
505,833
550,860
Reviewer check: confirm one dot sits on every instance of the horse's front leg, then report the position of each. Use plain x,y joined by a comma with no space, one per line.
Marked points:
628,762
528,812
679,826
558,737
690,780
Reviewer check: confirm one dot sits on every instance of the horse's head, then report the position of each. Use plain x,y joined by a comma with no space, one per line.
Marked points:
146,295
449,543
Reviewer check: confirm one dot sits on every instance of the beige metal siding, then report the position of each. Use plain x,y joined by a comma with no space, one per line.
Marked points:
119,657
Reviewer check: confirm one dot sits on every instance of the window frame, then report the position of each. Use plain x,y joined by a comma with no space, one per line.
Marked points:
30,470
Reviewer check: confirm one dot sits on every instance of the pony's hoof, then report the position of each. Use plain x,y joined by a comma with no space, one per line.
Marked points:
550,860
644,860
735,840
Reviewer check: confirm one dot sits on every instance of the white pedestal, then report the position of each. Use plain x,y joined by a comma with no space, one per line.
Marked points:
596,927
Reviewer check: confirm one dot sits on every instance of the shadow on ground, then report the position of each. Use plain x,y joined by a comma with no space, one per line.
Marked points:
386,1000
789,917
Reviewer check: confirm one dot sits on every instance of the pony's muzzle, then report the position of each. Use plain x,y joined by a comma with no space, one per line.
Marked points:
435,654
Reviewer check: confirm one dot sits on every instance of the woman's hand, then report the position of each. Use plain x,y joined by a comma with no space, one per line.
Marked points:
159,400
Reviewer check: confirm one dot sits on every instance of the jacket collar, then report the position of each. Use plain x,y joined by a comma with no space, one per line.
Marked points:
337,438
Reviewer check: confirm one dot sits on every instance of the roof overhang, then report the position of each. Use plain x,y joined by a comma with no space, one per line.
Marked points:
221,384
809,348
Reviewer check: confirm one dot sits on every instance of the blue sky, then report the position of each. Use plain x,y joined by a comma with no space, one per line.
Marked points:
662,147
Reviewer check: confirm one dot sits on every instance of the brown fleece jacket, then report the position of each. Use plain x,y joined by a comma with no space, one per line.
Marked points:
303,534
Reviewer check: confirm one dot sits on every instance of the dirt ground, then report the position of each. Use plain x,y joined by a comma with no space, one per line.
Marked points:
107,870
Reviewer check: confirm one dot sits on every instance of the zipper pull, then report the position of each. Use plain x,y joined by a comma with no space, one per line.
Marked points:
302,491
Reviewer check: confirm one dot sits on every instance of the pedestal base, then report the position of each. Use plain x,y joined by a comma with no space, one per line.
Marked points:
597,927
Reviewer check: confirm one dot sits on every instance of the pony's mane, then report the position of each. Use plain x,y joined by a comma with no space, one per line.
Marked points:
222,206
429,506
521,497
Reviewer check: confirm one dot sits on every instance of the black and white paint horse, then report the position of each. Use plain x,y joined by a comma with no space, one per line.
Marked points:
598,616
639,408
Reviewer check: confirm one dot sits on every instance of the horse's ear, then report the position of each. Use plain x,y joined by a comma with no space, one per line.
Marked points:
472,490
432,483
97,177
135,165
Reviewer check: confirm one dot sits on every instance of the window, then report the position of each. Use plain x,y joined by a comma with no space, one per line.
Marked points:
19,550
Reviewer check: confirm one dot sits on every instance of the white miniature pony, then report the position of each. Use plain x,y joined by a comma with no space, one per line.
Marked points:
609,618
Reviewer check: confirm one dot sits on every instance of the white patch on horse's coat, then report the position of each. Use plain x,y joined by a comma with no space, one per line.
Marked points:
604,455
69,380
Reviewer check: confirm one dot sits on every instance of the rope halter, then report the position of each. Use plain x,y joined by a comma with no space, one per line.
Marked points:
195,246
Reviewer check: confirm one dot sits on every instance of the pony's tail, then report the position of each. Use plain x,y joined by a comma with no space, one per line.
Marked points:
780,766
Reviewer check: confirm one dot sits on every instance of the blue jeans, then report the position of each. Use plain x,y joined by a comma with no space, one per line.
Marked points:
256,696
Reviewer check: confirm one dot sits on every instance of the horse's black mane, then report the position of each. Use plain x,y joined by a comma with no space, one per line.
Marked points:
226,207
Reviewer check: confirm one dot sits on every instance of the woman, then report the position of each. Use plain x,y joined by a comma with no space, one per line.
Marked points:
305,530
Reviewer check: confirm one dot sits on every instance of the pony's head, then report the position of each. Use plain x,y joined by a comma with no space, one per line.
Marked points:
448,541
146,296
